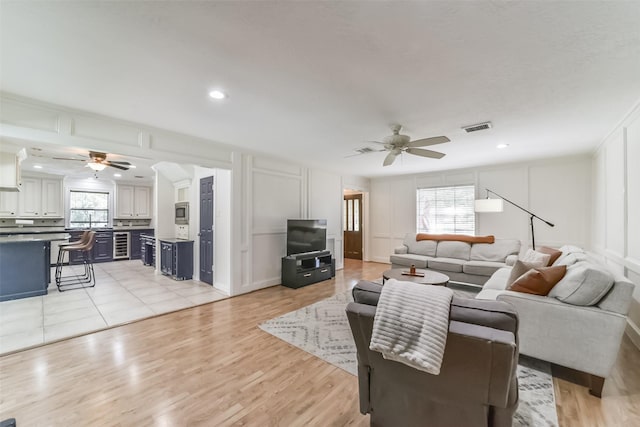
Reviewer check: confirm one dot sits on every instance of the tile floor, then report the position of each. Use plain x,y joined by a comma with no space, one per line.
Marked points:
125,291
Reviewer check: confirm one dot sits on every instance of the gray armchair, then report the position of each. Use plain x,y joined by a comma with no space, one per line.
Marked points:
477,385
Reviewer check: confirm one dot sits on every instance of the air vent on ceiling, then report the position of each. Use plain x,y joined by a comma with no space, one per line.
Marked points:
477,127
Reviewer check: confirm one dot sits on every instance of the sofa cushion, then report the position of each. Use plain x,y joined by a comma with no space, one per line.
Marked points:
446,264
553,253
420,261
571,258
584,284
423,247
497,251
458,250
536,258
538,281
566,251
481,268
498,280
519,268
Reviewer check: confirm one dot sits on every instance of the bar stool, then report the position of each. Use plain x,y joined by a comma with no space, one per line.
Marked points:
74,281
84,238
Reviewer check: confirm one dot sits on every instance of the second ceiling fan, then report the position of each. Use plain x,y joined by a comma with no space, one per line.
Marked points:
98,161
397,144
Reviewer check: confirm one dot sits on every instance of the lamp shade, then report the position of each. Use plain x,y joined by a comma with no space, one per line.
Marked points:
489,205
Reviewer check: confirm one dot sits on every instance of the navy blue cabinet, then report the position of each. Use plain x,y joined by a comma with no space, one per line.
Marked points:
24,269
102,249
136,242
176,258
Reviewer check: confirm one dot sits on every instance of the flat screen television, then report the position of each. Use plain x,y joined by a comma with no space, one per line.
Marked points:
306,235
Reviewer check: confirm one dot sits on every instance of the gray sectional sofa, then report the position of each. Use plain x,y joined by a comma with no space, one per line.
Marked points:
580,323
461,261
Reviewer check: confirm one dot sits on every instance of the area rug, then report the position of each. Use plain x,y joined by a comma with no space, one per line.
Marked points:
322,329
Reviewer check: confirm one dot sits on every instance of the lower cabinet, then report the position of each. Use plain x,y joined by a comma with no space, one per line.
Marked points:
305,269
136,242
176,258
102,248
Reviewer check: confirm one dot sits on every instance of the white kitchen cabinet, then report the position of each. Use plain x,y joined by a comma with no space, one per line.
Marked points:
38,198
142,202
133,201
124,199
8,204
52,198
30,198
9,172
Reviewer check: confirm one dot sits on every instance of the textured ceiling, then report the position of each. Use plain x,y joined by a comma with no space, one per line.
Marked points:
313,81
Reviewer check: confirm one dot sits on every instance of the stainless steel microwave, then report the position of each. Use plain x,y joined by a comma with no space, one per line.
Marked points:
182,213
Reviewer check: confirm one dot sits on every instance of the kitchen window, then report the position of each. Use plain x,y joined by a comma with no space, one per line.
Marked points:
446,210
88,209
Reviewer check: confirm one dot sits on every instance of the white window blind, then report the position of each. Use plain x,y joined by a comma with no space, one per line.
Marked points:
446,210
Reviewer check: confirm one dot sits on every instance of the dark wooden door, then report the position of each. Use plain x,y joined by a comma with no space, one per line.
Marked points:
353,226
206,230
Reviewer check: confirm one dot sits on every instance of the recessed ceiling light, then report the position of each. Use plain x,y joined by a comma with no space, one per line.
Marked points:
501,146
37,167
132,166
117,175
216,94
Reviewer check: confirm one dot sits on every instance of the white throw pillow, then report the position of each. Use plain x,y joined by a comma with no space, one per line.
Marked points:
583,284
568,250
536,259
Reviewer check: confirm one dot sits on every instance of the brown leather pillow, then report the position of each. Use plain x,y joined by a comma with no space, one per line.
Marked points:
555,254
518,269
455,238
539,281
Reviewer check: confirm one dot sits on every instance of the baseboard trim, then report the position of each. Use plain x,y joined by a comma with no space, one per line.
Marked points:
633,332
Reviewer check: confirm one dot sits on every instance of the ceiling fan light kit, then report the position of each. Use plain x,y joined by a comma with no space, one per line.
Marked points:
98,161
97,166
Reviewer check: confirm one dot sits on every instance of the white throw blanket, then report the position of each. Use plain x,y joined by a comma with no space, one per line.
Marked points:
411,324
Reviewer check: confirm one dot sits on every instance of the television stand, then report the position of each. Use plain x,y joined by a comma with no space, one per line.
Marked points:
300,270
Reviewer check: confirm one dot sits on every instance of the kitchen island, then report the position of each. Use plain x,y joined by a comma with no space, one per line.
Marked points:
24,264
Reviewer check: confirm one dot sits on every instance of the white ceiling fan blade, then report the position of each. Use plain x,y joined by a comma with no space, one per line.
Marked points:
425,153
390,157
428,141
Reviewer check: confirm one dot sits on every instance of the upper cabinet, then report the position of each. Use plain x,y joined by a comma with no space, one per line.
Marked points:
133,201
38,198
8,205
9,172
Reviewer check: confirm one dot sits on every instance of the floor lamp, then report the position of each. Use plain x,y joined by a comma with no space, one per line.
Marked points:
496,205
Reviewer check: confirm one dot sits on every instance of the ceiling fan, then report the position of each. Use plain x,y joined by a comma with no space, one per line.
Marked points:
98,161
398,143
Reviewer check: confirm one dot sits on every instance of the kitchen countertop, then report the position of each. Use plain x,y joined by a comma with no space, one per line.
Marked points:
132,227
34,237
30,230
173,240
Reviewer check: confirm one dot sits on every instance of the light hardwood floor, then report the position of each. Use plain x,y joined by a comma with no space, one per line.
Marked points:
211,365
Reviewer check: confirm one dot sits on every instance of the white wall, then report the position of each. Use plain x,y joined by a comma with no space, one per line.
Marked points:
222,224
616,207
557,190
163,202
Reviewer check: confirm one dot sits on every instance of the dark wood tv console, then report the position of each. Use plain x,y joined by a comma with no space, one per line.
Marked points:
304,269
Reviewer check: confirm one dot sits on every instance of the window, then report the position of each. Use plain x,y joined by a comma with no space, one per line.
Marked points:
446,210
88,209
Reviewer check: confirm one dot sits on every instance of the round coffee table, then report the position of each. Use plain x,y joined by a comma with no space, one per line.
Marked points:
430,277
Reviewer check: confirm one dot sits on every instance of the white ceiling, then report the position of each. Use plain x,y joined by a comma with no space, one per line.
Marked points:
313,81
